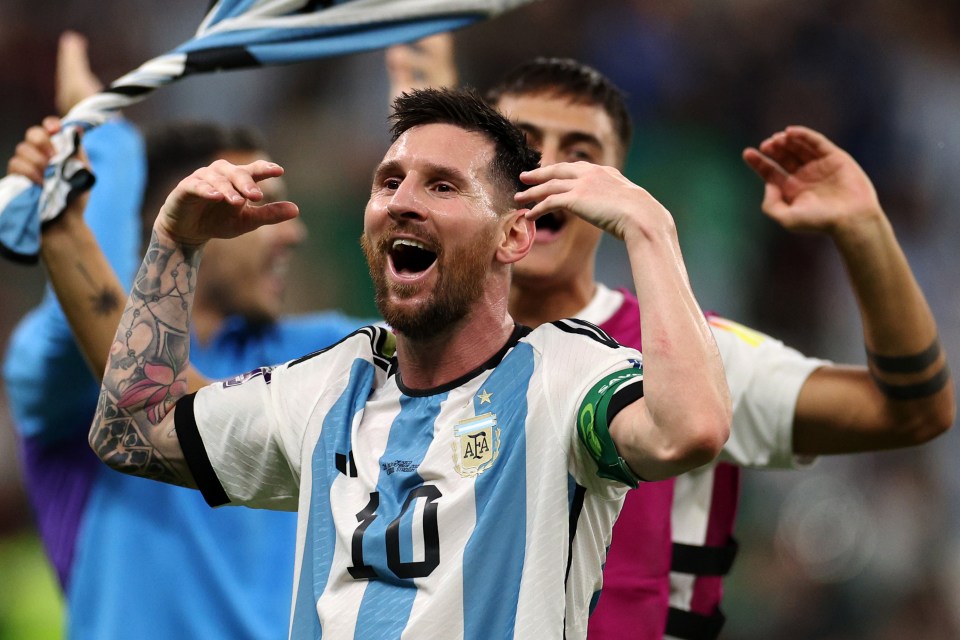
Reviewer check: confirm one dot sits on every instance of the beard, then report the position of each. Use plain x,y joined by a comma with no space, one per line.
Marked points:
460,283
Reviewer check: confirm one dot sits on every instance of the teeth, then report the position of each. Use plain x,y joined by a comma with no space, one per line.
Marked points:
409,243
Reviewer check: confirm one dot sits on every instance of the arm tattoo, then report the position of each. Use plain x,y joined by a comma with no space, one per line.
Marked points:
917,391
913,363
145,373
909,364
104,301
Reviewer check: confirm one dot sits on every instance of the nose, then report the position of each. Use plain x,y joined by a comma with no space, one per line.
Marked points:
406,203
549,153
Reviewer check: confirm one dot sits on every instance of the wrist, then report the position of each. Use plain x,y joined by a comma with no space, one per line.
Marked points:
864,227
642,229
170,238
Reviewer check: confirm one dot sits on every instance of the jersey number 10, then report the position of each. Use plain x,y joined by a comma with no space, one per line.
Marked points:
431,537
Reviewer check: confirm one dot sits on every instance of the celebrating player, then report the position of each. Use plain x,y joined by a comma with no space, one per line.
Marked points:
455,478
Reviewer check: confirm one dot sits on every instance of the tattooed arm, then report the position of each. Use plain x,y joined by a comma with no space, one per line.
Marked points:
133,429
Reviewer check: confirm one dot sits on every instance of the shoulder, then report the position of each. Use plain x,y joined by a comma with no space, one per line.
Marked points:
372,342
573,331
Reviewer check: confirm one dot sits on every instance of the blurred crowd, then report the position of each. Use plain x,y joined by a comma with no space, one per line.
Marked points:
854,548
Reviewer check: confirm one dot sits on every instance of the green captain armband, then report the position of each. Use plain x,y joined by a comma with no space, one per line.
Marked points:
599,407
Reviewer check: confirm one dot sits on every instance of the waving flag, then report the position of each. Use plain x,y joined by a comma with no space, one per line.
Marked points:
234,34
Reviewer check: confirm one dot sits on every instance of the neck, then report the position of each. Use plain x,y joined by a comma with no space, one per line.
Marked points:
532,302
457,350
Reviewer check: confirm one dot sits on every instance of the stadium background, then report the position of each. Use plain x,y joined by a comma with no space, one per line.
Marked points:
856,548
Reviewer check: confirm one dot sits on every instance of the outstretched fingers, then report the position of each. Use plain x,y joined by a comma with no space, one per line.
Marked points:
769,170
219,201
813,144
796,146
235,184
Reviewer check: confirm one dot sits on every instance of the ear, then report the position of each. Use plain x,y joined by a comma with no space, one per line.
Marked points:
517,237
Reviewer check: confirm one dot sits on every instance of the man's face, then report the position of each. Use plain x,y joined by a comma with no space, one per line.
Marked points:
247,276
562,132
430,228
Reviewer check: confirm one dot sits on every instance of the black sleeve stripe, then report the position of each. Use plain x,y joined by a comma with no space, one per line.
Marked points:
626,394
196,454
584,328
576,508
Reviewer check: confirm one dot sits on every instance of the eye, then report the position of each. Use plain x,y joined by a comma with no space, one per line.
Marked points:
443,187
391,184
580,153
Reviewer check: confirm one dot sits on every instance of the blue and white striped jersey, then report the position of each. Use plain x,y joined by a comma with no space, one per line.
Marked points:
467,511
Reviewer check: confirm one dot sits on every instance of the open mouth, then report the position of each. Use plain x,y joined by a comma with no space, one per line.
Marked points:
549,222
410,257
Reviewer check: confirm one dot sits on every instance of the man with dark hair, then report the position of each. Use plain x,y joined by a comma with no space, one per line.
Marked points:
457,477
787,408
190,560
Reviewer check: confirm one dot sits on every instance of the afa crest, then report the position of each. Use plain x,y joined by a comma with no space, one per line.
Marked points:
476,444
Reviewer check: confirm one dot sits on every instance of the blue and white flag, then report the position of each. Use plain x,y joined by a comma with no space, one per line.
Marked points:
234,34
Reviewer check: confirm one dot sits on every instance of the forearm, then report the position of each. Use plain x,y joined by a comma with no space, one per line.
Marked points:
895,315
146,368
86,287
905,396
686,397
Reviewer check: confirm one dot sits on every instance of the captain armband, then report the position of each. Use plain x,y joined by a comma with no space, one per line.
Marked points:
914,363
601,404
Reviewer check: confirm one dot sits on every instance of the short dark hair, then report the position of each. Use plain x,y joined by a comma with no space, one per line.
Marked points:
178,148
465,108
564,77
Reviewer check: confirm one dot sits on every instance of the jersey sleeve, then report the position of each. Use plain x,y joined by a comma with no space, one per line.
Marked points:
241,438
247,438
42,361
765,377
588,377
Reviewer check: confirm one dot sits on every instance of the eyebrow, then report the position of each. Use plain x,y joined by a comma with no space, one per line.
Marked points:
570,137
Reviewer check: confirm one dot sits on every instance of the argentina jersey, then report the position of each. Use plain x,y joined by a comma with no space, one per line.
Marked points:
472,510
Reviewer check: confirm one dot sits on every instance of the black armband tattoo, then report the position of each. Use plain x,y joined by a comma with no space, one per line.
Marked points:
914,363
913,391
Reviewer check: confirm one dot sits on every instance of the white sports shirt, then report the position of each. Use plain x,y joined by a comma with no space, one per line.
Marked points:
467,511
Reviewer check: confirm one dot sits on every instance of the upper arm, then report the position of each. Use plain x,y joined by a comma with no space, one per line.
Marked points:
841,410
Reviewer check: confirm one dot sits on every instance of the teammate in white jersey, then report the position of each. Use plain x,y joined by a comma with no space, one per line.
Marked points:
457,477
786,407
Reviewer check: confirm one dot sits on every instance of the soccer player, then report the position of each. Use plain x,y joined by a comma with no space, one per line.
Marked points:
458,476
787,407
119,543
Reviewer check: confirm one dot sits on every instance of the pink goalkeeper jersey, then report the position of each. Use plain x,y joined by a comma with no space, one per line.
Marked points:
673,541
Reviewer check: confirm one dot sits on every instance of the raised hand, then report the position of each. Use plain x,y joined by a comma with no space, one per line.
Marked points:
34,152
218,202
811,183
600,195
424,64
74,79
